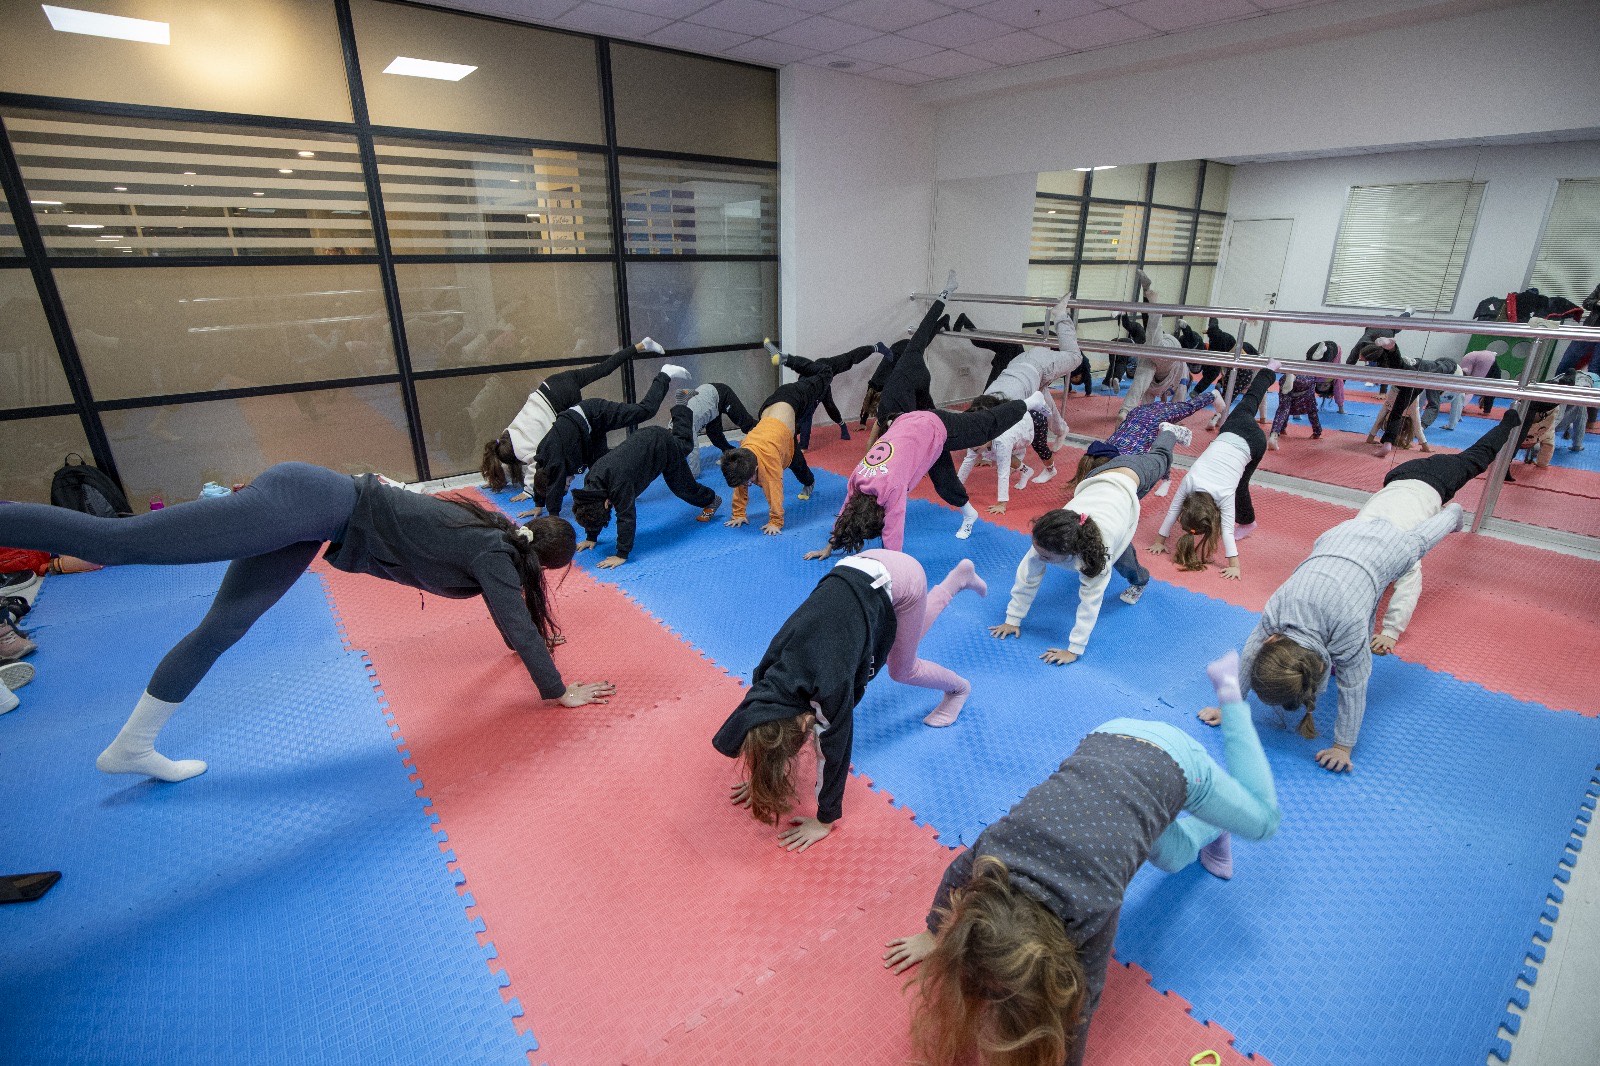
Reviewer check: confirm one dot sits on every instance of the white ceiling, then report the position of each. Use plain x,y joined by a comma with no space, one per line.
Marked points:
904,41
1590,133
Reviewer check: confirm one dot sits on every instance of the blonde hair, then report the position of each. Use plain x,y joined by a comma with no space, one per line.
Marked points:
1290,675
1003,982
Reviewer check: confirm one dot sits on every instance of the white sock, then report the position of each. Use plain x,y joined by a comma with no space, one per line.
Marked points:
1044,475
969,518
1023,475
673,370
652,346
134,752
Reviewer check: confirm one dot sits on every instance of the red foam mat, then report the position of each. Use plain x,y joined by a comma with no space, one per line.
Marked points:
638,916
1481,596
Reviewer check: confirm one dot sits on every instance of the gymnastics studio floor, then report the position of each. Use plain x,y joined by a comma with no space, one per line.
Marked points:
398,856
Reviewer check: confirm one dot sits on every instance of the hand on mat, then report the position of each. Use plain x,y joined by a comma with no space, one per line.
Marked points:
820,553
582,693
736,522
802,833
740,794
772,529
555,641
997,508
1383,643
1004,630
1231,572
610,562
1336,758
584,545
1158,548
1059,657
906,951
521,496
537,512
1211,716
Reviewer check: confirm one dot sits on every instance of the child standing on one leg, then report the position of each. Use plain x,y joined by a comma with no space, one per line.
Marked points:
1217,489
1015,952
1095,528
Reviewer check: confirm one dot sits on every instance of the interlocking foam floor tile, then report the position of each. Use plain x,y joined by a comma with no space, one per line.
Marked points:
288,906
1526,589
1442,844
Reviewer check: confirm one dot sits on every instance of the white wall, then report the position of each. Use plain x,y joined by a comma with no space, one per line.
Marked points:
857,214
1521,183
1504,70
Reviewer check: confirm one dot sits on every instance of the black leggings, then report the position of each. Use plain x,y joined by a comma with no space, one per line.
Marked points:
679,478
565,389
1404,397
838,364
969,429
908,384
1448,473
733,409
270,531
1241,422
1003,352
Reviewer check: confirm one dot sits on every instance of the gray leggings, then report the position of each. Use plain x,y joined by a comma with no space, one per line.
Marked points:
1151,467
271,530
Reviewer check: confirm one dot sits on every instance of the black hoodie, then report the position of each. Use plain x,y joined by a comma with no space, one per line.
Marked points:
826,653
576,442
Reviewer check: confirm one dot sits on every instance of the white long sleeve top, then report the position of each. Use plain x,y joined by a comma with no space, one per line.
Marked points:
1012,441
1216,472
1112,500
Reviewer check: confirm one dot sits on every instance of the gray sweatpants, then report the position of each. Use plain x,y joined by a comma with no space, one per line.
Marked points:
1151,467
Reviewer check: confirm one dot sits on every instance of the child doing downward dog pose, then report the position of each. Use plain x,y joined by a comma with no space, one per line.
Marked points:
837,364
1093,530
770,447
1321,618
578,439
1015,953
615,482
1217,489
511,456
915,442
1297,395
271,530
1138,431
1414,492
869,609
1006,450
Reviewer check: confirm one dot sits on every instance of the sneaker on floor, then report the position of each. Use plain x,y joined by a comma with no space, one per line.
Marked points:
24,583
1131,594
710,512
13,645
1184,434
8,700
15,675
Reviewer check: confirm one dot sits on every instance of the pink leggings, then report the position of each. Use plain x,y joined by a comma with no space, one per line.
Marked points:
915,610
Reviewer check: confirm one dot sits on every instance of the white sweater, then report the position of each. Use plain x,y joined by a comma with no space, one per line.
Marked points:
528,429
1112,500
1217,472
1013,440
1406,504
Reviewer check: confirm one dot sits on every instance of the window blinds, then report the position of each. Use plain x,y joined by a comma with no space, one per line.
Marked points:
1403,245
1568,260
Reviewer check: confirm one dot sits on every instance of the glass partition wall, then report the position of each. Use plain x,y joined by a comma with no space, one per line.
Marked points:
356,233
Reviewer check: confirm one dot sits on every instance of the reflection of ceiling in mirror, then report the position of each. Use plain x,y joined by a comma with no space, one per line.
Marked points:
907,41
1589,133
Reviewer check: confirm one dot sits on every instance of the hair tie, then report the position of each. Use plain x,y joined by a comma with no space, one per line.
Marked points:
525,533
1082,518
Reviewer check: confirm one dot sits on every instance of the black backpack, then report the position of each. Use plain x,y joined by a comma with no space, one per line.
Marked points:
81,486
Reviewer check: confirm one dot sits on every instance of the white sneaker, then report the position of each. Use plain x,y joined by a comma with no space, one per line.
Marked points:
15,675
1131,594
1183,433
673,370
650,345
1024,475
8,700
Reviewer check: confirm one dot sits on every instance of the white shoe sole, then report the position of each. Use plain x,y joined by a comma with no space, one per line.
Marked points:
15,675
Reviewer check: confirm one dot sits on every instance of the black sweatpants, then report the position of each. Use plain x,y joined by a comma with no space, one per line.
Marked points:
969,429
1241,422
1003,353
565,389
679,478
733,409
908,384
1448,473
838,364
1404,397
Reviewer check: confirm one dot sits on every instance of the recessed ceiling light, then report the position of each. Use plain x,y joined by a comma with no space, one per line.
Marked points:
95,24
45,203
428,68
119,188
84,225
1113,167
306,155
283,171
188,173
258,194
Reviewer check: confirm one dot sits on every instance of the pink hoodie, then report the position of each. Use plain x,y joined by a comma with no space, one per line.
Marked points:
891,469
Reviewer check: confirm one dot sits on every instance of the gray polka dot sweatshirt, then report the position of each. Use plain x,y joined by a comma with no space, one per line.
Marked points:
1075,841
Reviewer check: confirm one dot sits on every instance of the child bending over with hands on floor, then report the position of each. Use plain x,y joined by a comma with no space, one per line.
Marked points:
1014,956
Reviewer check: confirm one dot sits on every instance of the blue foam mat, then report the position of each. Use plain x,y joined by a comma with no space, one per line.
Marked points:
1390,916
291,905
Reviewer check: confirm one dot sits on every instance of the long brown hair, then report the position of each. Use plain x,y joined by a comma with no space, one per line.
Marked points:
549,544
1064,532
860,520
768,755
1003,981
1289,675
499,465
1087,465
1200,513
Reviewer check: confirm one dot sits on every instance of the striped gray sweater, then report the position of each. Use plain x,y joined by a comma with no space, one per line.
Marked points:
1330,602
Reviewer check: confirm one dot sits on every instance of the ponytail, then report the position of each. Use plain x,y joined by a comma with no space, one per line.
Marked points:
1200,513
1290,675
499,465
547,543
